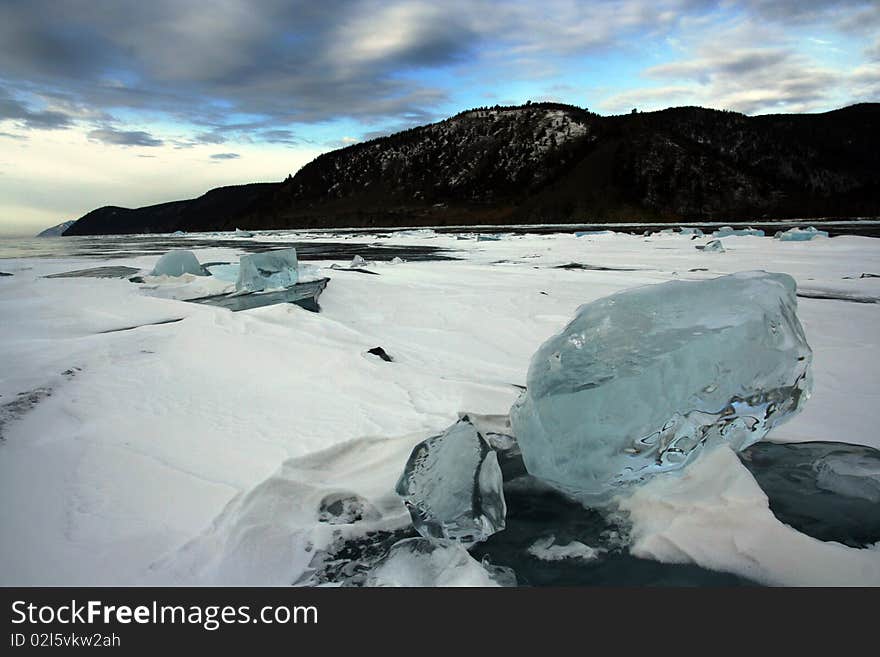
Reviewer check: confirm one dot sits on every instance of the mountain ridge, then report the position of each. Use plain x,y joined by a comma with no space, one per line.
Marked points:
556,163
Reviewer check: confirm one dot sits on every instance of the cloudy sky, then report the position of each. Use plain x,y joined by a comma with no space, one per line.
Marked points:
127,102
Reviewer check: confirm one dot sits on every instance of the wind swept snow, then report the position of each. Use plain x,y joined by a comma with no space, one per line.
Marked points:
205,451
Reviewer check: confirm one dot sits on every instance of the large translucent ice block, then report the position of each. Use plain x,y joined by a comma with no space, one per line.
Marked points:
640,381
177,263
452,486
267,271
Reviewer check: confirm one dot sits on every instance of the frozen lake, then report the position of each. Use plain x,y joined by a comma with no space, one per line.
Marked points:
194,452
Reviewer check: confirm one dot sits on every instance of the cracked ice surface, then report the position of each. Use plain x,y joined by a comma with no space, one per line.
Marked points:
639,382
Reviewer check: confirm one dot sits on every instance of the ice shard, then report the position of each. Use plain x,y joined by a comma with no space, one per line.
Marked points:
715,246
641,381
852,475
177,263
452,486
267,271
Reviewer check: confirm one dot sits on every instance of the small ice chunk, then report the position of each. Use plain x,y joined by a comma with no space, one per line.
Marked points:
546,549
502,575
852,475
427,562
243,233
452,486
800,235
589,233
358,261
397,260
178,233
266,271
177,263
418,232
727,231
641,381
692,231
715,246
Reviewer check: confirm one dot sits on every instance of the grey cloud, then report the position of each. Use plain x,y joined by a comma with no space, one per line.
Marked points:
753,77
278,137
225,156
13,109
866,83
283,61
864,22
292,62
796,10
209,138
124,137
714,61
278,63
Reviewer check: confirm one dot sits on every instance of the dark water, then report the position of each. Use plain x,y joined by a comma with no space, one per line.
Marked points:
122,246
536,514
787,475
127,246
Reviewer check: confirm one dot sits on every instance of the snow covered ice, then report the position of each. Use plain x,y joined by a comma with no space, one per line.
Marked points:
640,381
182,475
267,271
178,263
452,486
